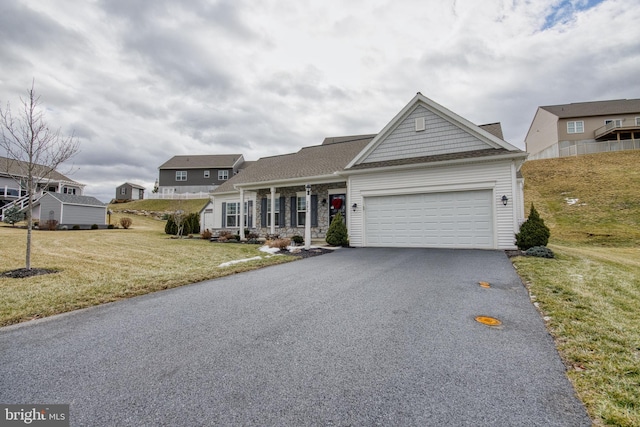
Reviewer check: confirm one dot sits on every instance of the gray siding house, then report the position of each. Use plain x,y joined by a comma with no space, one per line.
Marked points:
429,178
198,173
70,210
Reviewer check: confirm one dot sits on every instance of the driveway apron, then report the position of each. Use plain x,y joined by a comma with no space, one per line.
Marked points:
358,337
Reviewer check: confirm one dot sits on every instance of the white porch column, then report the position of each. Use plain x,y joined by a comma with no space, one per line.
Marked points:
241,214
273,211
307,218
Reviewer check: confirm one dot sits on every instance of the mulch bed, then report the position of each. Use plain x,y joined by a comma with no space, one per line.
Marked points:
303,253
21,273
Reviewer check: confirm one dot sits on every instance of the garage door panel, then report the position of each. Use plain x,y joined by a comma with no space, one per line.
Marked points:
453,220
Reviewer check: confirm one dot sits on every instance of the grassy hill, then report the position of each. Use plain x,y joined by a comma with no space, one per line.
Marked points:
593,199
590,293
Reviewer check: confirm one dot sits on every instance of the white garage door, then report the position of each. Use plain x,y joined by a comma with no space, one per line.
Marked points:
461,219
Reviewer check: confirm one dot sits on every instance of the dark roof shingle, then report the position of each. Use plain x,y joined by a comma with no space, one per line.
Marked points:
594,108
201,161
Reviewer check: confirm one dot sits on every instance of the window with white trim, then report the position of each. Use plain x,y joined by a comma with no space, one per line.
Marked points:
223,175
637,121
181,175
575,127
616,122
123,191
301,209
206,174
277,212
233,214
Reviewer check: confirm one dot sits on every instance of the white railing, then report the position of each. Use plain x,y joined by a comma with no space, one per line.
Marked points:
579,148
22,204
178,196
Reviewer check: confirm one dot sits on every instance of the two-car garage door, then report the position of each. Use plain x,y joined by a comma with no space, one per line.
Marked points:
459,219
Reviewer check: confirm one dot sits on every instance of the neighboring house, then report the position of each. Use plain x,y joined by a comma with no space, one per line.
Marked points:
430,178
70,210
198,174
584,128
128,191
11,189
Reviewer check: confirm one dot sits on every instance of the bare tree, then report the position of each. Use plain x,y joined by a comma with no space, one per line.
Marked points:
33,150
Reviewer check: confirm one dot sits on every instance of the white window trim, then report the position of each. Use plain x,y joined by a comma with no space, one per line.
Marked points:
223,175
277,198
123,191
207,174
301,195
181,175
575,126
237,214
618,122
637,121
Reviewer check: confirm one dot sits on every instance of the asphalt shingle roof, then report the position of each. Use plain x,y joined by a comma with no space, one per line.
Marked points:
595,108
203,161
77,200
332,156
14,168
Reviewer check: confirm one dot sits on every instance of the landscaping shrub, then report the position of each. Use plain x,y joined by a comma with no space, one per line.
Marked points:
51,224
206,234
126,222
110,226
298,240
13,215
533,232
540,251
190,225
64,227
337,233
75,227
281,244
94,226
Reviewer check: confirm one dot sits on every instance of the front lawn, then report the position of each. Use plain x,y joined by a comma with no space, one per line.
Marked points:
98,266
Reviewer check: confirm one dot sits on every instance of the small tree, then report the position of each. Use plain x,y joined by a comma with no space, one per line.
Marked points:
33,149
533,232
13,215
337,233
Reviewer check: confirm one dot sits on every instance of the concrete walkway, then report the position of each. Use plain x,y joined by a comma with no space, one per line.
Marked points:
356,337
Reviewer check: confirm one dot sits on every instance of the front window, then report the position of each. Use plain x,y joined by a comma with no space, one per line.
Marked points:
67,190
575,127
302,210
206,174
223,175
233,215
181,175
123,191
277,213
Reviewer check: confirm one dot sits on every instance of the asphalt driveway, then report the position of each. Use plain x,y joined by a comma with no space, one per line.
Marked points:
359,337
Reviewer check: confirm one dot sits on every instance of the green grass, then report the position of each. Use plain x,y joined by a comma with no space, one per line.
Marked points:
590,293
99,266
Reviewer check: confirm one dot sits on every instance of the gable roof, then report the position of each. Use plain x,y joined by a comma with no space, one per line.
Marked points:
72,199
594,108
476,139
494,129
203,161
140,187
14,168
315,161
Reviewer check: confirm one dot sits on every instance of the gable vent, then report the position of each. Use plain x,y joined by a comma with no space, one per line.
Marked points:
420,124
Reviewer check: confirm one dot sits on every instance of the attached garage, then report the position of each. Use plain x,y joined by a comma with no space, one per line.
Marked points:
459,219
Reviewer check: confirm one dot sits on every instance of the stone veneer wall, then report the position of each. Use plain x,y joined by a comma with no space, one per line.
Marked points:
319,232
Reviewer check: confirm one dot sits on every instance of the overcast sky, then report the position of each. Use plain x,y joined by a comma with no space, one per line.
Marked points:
141,81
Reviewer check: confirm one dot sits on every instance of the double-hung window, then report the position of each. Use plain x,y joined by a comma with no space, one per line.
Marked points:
637,121
181,175
575,127
206,174
277,213
233,214
301,209
123,191
223,175
614,122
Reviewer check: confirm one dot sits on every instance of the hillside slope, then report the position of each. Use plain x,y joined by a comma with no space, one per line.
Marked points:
587,199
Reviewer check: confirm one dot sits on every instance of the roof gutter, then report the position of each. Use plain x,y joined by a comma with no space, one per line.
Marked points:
514,156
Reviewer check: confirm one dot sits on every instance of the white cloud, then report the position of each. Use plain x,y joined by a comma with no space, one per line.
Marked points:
140,84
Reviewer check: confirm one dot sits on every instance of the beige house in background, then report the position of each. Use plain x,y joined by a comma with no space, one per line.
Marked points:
584,128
